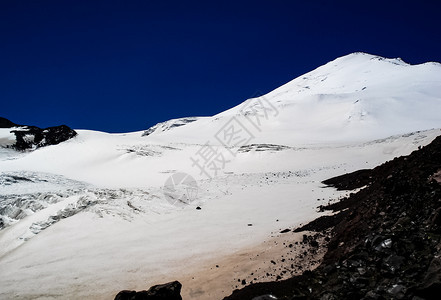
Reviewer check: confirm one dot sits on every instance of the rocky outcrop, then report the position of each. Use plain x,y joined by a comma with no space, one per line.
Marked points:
386,238
31,137
5,123
168,125
167,291
34,137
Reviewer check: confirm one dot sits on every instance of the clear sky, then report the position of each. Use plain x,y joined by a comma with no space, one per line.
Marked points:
121,66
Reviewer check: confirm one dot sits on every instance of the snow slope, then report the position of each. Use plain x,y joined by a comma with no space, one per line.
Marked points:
353,98
88,217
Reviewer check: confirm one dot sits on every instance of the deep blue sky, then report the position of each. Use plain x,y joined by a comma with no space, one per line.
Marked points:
120,66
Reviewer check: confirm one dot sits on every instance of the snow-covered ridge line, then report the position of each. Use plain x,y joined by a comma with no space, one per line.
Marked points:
358,77
394,61
170,124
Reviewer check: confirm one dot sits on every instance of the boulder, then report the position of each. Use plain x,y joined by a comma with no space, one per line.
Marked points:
167,291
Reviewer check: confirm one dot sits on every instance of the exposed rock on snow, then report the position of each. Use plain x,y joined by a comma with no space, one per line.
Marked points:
5,123
31,137
263,147
167,125
167,291
34,137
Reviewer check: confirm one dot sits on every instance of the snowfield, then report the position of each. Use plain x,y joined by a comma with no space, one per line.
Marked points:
89,217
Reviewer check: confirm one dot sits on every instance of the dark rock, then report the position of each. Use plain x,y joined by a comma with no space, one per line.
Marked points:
397,291
432,280
125,295
5,123
314,244
385,244
265,297
31,137
328,296
394,262
34,137
322,223
305,239
167,291
435,220
167,125
350,181
285,230
385,241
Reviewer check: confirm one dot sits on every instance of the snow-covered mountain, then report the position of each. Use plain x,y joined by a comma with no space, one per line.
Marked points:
353,98
91,216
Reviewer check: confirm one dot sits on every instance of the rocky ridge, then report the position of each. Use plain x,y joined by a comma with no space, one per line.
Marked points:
31,137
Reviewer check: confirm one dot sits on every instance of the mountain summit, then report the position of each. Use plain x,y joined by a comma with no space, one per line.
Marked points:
352,98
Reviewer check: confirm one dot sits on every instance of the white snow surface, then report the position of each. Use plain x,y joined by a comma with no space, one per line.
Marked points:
88,217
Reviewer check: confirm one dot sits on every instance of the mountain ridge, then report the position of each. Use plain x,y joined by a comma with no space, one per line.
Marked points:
352,97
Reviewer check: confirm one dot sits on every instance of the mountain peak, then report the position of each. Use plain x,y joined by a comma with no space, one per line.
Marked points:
5,123
362,57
